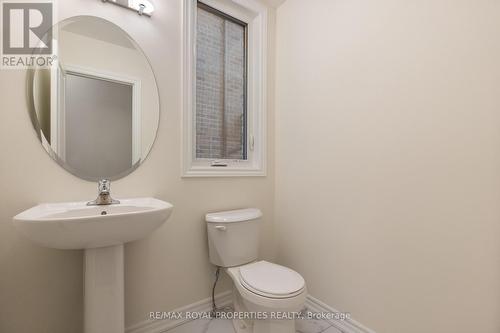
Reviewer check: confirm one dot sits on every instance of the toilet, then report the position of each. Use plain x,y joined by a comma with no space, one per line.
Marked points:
269,293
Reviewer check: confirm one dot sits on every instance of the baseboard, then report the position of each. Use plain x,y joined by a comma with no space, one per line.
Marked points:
346,326
160,326
225,299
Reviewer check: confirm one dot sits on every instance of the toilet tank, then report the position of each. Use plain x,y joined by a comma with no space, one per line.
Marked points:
233,236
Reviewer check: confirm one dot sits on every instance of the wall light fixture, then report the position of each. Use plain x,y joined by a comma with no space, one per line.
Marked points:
142,7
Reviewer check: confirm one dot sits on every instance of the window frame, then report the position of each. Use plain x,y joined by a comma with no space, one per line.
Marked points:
254,15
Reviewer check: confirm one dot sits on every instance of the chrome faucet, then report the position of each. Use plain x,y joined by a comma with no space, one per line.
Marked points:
104,194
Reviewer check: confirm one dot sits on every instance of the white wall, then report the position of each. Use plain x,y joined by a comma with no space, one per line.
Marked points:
41,289
388,159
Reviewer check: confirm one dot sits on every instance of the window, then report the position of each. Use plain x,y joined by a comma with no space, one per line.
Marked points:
224,88
221,131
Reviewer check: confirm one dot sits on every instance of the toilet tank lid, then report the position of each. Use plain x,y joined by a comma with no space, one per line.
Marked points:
240,215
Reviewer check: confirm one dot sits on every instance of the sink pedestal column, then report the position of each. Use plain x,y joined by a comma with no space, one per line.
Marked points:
104,305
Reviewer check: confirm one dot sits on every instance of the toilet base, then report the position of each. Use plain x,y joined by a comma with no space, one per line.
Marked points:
259,326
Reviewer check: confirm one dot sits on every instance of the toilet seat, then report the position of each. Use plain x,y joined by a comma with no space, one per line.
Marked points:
270,280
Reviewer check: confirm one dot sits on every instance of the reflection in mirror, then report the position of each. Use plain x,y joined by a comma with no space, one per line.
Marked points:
97,109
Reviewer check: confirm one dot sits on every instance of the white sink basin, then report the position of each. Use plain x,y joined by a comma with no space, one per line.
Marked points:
101,231
74,225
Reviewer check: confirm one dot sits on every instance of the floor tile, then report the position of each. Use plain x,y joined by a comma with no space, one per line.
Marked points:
332,330
226,326
205,326
195,326
220,326
310,326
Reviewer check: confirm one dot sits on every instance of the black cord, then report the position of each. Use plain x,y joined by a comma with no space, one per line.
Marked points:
214,308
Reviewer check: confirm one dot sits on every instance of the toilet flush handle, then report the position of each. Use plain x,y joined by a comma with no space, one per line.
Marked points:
220,228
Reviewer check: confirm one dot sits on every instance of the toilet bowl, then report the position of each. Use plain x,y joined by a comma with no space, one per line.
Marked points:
274,292
267,296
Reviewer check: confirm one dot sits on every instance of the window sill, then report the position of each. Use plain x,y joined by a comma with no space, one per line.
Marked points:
209,171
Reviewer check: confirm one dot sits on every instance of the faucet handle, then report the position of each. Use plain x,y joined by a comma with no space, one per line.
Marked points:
104,196
104,186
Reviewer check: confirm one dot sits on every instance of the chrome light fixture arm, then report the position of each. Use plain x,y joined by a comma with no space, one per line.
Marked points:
142,7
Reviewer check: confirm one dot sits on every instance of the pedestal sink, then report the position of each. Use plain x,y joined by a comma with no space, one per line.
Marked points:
101,231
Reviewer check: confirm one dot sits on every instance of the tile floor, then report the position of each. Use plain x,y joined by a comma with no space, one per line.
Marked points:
226,326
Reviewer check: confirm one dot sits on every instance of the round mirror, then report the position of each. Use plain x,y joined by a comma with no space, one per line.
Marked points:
96,110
